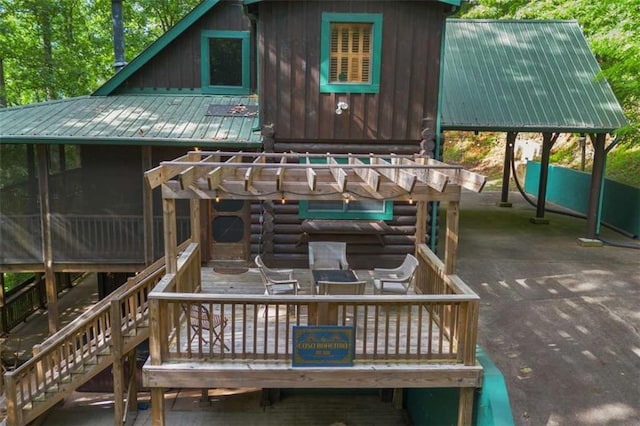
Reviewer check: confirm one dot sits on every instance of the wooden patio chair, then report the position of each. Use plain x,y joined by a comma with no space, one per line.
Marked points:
277,281
328,255
335,287
203,322
396,280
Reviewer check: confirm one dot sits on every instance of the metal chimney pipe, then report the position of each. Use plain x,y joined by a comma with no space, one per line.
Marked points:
118,34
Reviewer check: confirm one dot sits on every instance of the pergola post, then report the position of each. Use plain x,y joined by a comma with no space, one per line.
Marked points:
451,237
597,175
421,222
506,169
47,250
171,267
147,208
170,237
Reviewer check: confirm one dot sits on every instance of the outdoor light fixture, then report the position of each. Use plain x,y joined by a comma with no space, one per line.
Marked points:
283,200
342,106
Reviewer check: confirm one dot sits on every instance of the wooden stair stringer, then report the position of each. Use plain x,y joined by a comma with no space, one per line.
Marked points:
64,388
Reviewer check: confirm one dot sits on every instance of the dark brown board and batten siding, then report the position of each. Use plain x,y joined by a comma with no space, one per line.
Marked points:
290,98
178,65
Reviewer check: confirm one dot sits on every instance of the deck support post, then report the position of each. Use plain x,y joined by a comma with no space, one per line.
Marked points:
118,370
155,358
47,248
465,406
157,406
3,316
132,390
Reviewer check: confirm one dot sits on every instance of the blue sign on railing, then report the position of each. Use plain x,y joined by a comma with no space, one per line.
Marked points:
323,346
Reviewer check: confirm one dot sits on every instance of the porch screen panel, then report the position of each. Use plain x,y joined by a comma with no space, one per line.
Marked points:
20,230
96,206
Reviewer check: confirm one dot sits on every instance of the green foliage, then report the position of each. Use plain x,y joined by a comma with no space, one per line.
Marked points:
623,164
13,279
14,164
53,49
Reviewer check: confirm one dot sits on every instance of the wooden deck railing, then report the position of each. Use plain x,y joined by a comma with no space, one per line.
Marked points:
432,279
28,297
67,359
438,326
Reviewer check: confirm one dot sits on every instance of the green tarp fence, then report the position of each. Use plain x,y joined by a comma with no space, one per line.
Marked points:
570,188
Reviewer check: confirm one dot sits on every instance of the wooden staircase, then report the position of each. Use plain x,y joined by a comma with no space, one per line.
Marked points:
102,336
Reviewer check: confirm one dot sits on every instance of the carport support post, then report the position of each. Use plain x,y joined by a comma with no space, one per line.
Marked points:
547,143
597,173
506,169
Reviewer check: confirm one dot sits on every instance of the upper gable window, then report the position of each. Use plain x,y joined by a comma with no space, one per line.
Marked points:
225,62
350,52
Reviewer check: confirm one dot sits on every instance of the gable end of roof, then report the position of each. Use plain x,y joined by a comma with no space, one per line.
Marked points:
114,82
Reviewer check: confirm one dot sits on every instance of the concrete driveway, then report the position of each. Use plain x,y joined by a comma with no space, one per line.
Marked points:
561,321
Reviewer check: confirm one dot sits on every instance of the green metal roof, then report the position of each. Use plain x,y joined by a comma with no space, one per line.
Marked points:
137,120
539,76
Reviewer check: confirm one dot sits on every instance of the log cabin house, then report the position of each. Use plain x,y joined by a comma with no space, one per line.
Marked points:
303,121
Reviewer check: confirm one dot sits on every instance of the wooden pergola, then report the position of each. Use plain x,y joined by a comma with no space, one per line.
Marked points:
215,175
201,175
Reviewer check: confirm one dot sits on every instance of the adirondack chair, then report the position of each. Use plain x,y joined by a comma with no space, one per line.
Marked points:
204,323
277,281
328,255
396,280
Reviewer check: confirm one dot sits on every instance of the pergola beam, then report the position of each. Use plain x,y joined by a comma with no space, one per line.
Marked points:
252,176
402,178
299,190
469,180
191,174
311,176
369,176
339,175
432,177
251,171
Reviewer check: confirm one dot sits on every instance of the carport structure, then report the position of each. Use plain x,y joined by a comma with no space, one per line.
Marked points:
529,76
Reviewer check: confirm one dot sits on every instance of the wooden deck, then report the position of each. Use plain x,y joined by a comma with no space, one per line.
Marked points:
418,340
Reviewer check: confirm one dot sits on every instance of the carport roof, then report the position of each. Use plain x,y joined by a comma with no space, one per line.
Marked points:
530,76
